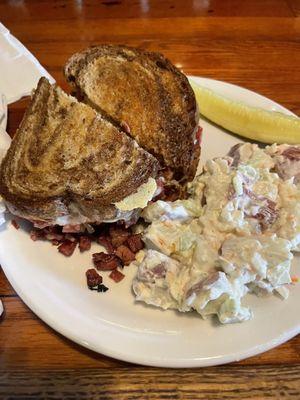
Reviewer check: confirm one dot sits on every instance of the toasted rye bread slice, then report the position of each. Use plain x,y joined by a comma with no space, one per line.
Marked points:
145,92
67,159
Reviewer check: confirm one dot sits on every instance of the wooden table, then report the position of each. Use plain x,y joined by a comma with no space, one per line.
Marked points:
250,43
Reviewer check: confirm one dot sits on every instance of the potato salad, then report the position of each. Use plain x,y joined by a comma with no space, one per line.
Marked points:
235,233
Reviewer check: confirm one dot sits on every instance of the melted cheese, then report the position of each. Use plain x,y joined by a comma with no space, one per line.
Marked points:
140,198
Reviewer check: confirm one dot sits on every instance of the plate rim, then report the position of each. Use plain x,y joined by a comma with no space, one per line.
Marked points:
190,362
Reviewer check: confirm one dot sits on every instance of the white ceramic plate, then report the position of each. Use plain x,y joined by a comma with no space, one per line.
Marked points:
111,323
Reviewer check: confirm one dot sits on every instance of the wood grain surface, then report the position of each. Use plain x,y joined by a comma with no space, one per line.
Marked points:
255,44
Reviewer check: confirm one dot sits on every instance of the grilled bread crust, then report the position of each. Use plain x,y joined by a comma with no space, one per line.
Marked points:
66,158
145,92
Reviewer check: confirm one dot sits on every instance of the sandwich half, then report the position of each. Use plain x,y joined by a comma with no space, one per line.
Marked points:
147,96
69,165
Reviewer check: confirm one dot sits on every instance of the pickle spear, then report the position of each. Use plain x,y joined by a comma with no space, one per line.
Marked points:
250,122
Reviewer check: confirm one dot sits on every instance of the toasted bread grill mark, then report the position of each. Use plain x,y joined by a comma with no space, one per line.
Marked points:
65,153
147,92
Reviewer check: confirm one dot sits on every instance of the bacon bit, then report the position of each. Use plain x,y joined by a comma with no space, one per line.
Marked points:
106,262
295,279
118,236
67,248
34,236
125,254
37,234
115,230
15,224
99,256
93,278
116,275
106,243
267,215
135,243
51,233
84,243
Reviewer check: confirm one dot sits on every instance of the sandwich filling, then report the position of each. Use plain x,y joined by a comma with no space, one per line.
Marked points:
140,198
127,210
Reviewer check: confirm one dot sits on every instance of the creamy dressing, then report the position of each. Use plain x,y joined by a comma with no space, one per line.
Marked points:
234,234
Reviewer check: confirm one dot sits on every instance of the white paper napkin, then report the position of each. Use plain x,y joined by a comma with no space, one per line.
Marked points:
4,145
3,111
4,137
19,69
1,308
20,72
